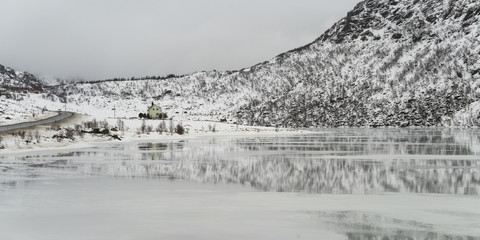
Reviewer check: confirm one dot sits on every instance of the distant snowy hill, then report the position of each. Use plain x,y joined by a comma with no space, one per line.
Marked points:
9,78
387,63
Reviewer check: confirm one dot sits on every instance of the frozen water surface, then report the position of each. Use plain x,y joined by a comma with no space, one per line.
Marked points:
334,184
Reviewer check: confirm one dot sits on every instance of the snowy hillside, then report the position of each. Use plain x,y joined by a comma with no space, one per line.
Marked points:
25,107
387,63
15,104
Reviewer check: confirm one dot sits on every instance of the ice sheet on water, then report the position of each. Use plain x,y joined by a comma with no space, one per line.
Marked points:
353,161
141,208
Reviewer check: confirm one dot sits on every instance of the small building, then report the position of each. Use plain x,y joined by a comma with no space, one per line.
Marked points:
155,112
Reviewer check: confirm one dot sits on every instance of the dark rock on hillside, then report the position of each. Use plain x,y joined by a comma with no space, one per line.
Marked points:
9,78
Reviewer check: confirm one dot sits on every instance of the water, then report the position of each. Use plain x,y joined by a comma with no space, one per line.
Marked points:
334,184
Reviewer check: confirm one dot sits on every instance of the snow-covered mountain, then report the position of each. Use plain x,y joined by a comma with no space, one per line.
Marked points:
9,78
387,63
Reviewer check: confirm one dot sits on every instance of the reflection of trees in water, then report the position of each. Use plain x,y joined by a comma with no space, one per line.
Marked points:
152,151
371,141
156,151
407,235
4,185
293,163
152,146
365,226
281,173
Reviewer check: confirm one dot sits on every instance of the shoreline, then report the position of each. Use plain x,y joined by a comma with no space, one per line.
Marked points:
196,129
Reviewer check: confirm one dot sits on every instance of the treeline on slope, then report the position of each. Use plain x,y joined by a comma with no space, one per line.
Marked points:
416,96
337,110
153,77
147,77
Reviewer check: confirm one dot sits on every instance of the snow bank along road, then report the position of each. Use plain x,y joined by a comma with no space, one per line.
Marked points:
59,117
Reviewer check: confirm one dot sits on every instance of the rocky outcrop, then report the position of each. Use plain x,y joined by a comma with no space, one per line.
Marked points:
9,78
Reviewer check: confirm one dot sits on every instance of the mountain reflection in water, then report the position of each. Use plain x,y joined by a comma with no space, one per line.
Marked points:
367,226
348,161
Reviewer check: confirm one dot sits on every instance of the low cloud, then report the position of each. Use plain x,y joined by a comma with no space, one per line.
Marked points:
104,39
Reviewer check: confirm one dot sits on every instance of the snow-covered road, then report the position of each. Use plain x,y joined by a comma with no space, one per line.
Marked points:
59,117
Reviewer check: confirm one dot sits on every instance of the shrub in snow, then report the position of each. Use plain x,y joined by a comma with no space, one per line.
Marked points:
69,133
212,128
179,129
79,130
59,136
116,137
105,131
90,124
53,127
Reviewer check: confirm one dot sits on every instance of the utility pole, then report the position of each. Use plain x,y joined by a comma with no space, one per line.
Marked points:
66,98
114,113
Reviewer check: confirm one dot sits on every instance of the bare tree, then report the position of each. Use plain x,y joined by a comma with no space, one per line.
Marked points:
2,146
104,124
21,134
143,126
121,125
172,126
94,123
79,130
149,129
37,136
69,133
162,127
29,137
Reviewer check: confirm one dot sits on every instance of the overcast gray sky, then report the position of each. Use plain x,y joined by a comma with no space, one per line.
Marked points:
95,39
